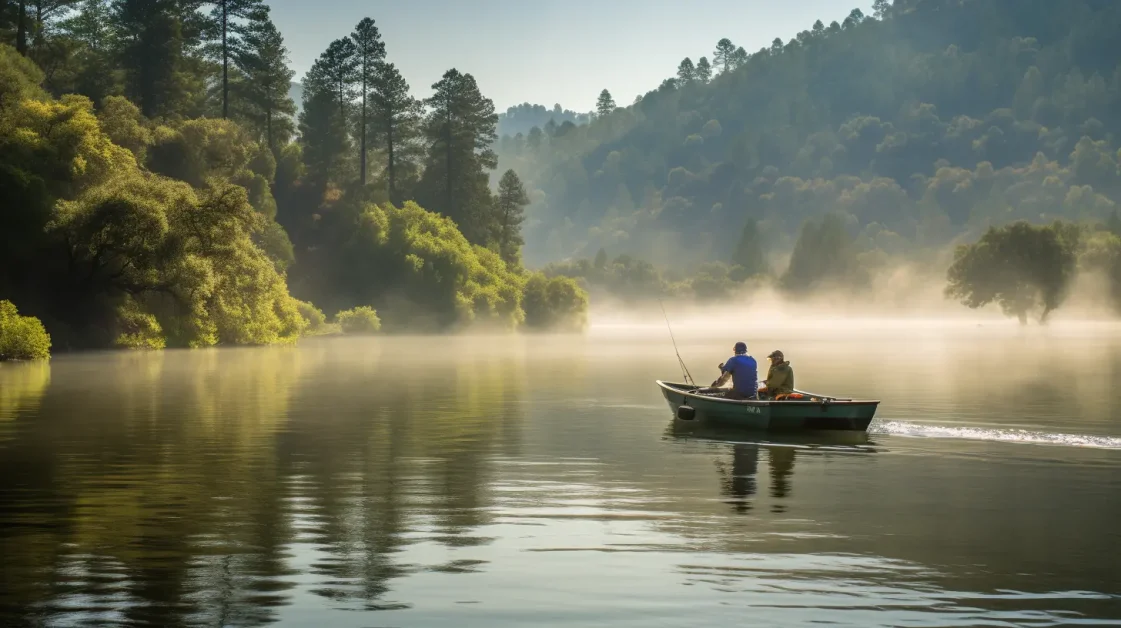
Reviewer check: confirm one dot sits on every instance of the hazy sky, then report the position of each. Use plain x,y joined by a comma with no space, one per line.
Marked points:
547,51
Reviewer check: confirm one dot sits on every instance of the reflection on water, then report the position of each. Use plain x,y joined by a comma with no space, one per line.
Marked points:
484,482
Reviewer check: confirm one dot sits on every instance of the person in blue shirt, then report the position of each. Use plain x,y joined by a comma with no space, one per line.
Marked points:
744,372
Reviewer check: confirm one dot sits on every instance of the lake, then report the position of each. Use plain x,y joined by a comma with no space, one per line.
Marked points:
515,481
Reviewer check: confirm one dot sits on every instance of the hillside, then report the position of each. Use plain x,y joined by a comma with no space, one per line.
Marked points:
928,121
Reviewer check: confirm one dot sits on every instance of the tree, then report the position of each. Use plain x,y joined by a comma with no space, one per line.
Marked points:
723,57
335,72
703,71
510,213
396,118
460,130
226,30
93,30
1022,267
1113,225
605,104
157,39
880,9
369,54
600,261
856,16
263,59
824,255
748,259
686,73
739,58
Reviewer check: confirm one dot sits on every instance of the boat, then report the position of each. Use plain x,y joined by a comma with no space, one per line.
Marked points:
811,412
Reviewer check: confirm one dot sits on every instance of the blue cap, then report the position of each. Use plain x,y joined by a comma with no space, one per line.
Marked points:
741,347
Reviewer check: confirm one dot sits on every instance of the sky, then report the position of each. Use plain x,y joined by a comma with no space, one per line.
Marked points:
548,51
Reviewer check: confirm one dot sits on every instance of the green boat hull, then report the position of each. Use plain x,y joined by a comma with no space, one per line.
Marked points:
825,413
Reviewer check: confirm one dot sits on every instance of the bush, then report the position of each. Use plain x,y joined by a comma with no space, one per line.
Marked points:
555,304
316,319
22,337
360,320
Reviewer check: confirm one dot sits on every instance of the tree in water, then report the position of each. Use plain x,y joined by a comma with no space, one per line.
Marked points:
395,117
703,71
509,214
461,131
263,59
605,104
369,53
748,260
1021,267
723,59
686,72
226,29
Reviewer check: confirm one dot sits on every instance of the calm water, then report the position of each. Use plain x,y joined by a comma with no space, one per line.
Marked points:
541,481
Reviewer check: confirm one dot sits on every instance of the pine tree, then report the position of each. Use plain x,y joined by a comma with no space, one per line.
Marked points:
460,129
323,137
335,72
226,29
739,58
92,28
880,9
263,59
509,214
605,104
686,73
703,71
723,57
748,256
157,38
369,52
395,117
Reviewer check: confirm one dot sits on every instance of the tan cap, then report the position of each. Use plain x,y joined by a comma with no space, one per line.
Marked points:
776,354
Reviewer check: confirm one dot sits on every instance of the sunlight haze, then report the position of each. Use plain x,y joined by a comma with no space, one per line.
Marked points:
548,52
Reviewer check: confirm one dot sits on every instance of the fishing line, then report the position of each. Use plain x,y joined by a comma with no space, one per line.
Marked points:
684,369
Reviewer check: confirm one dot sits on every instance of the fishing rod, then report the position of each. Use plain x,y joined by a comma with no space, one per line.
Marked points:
684,369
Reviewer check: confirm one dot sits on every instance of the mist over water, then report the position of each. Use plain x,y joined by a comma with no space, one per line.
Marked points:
498,480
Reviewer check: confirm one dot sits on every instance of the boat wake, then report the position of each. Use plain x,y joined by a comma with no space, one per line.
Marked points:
920,430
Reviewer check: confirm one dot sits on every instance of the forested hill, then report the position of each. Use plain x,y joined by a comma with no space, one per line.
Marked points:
922,122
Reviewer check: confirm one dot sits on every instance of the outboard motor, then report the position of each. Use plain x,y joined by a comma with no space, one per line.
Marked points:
686,413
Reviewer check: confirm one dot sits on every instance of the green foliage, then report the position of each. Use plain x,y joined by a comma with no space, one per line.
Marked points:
359,320
229,21
136,328
369,53
976,117
510,213
20,78
749,258
557,303
824,257
264,104
395,124
1021,267
429,275
460,131
21,337
316,320
122,123
605,104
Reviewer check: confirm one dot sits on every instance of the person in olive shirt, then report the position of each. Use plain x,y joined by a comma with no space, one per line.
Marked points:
780,377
